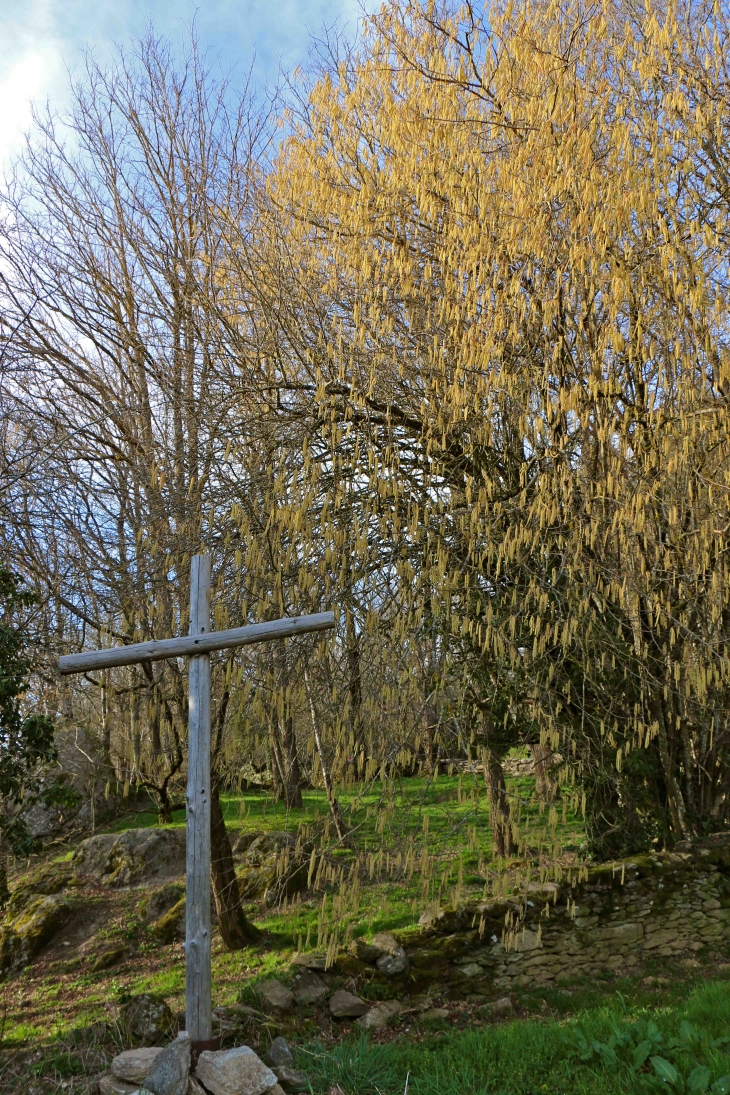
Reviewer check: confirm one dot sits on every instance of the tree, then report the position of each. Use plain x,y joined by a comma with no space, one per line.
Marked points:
110,249
518,319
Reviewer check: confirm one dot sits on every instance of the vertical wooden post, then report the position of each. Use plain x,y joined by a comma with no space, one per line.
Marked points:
198,1018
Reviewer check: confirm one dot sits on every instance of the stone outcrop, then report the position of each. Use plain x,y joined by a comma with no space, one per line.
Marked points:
170,928
35,924
136,857
275,866
160,901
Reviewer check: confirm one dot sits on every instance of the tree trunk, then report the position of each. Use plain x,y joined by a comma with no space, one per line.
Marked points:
164,805
4,891
544,785
331,796
354,683
236,929
106,737
498,805
290,762
429,735
136,736
277,770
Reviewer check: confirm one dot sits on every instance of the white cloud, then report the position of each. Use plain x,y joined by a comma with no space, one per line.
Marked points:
41,39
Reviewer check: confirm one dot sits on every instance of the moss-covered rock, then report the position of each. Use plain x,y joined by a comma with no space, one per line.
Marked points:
281,875
266,845
133,858
49,879
170,928
147,1020
159,902
108,958
23,937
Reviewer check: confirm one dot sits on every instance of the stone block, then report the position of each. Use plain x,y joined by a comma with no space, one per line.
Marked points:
620,933
394,963
275,997
527,940
234,1072
308,987
109,1084
134,1064
380,1015
169,1074
344,1005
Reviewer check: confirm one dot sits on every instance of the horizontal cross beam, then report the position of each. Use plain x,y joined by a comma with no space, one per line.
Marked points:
194,645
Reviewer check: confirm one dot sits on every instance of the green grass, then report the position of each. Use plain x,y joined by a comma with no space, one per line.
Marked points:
446,818
525,1058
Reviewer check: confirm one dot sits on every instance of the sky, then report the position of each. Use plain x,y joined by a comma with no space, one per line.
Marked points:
42,40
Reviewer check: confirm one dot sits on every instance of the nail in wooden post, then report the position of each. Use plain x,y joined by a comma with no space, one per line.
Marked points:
198,1018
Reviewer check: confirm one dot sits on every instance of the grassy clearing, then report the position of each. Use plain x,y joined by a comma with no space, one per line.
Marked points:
418,840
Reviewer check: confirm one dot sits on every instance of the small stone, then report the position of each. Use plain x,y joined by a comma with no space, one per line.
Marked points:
393,964
335,1090
291,1079
109,1084
195,1088
343,1005
134,1064
471,969
171,1069
364,951
308,988
279,1053
385,943
504,1004
234,1072
275,996
435,1013
277,1089
310,961
380,1015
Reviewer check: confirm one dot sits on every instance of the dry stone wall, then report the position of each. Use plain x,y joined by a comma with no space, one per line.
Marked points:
612,918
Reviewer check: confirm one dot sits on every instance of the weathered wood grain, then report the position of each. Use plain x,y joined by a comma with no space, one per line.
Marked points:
195,644
198,1018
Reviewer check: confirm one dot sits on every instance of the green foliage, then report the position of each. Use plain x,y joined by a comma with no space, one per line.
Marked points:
655,1061
25,743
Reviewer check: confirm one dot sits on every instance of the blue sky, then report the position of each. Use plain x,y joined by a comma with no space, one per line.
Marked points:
41,39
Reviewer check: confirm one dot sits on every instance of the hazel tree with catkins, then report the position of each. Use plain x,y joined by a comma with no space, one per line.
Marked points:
519,324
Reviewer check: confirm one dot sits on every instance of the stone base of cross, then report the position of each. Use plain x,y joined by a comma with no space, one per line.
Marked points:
197,647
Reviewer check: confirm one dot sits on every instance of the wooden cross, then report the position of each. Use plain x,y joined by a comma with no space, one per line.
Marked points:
197,647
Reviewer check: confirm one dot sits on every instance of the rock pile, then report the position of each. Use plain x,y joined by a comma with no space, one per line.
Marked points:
170,1070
